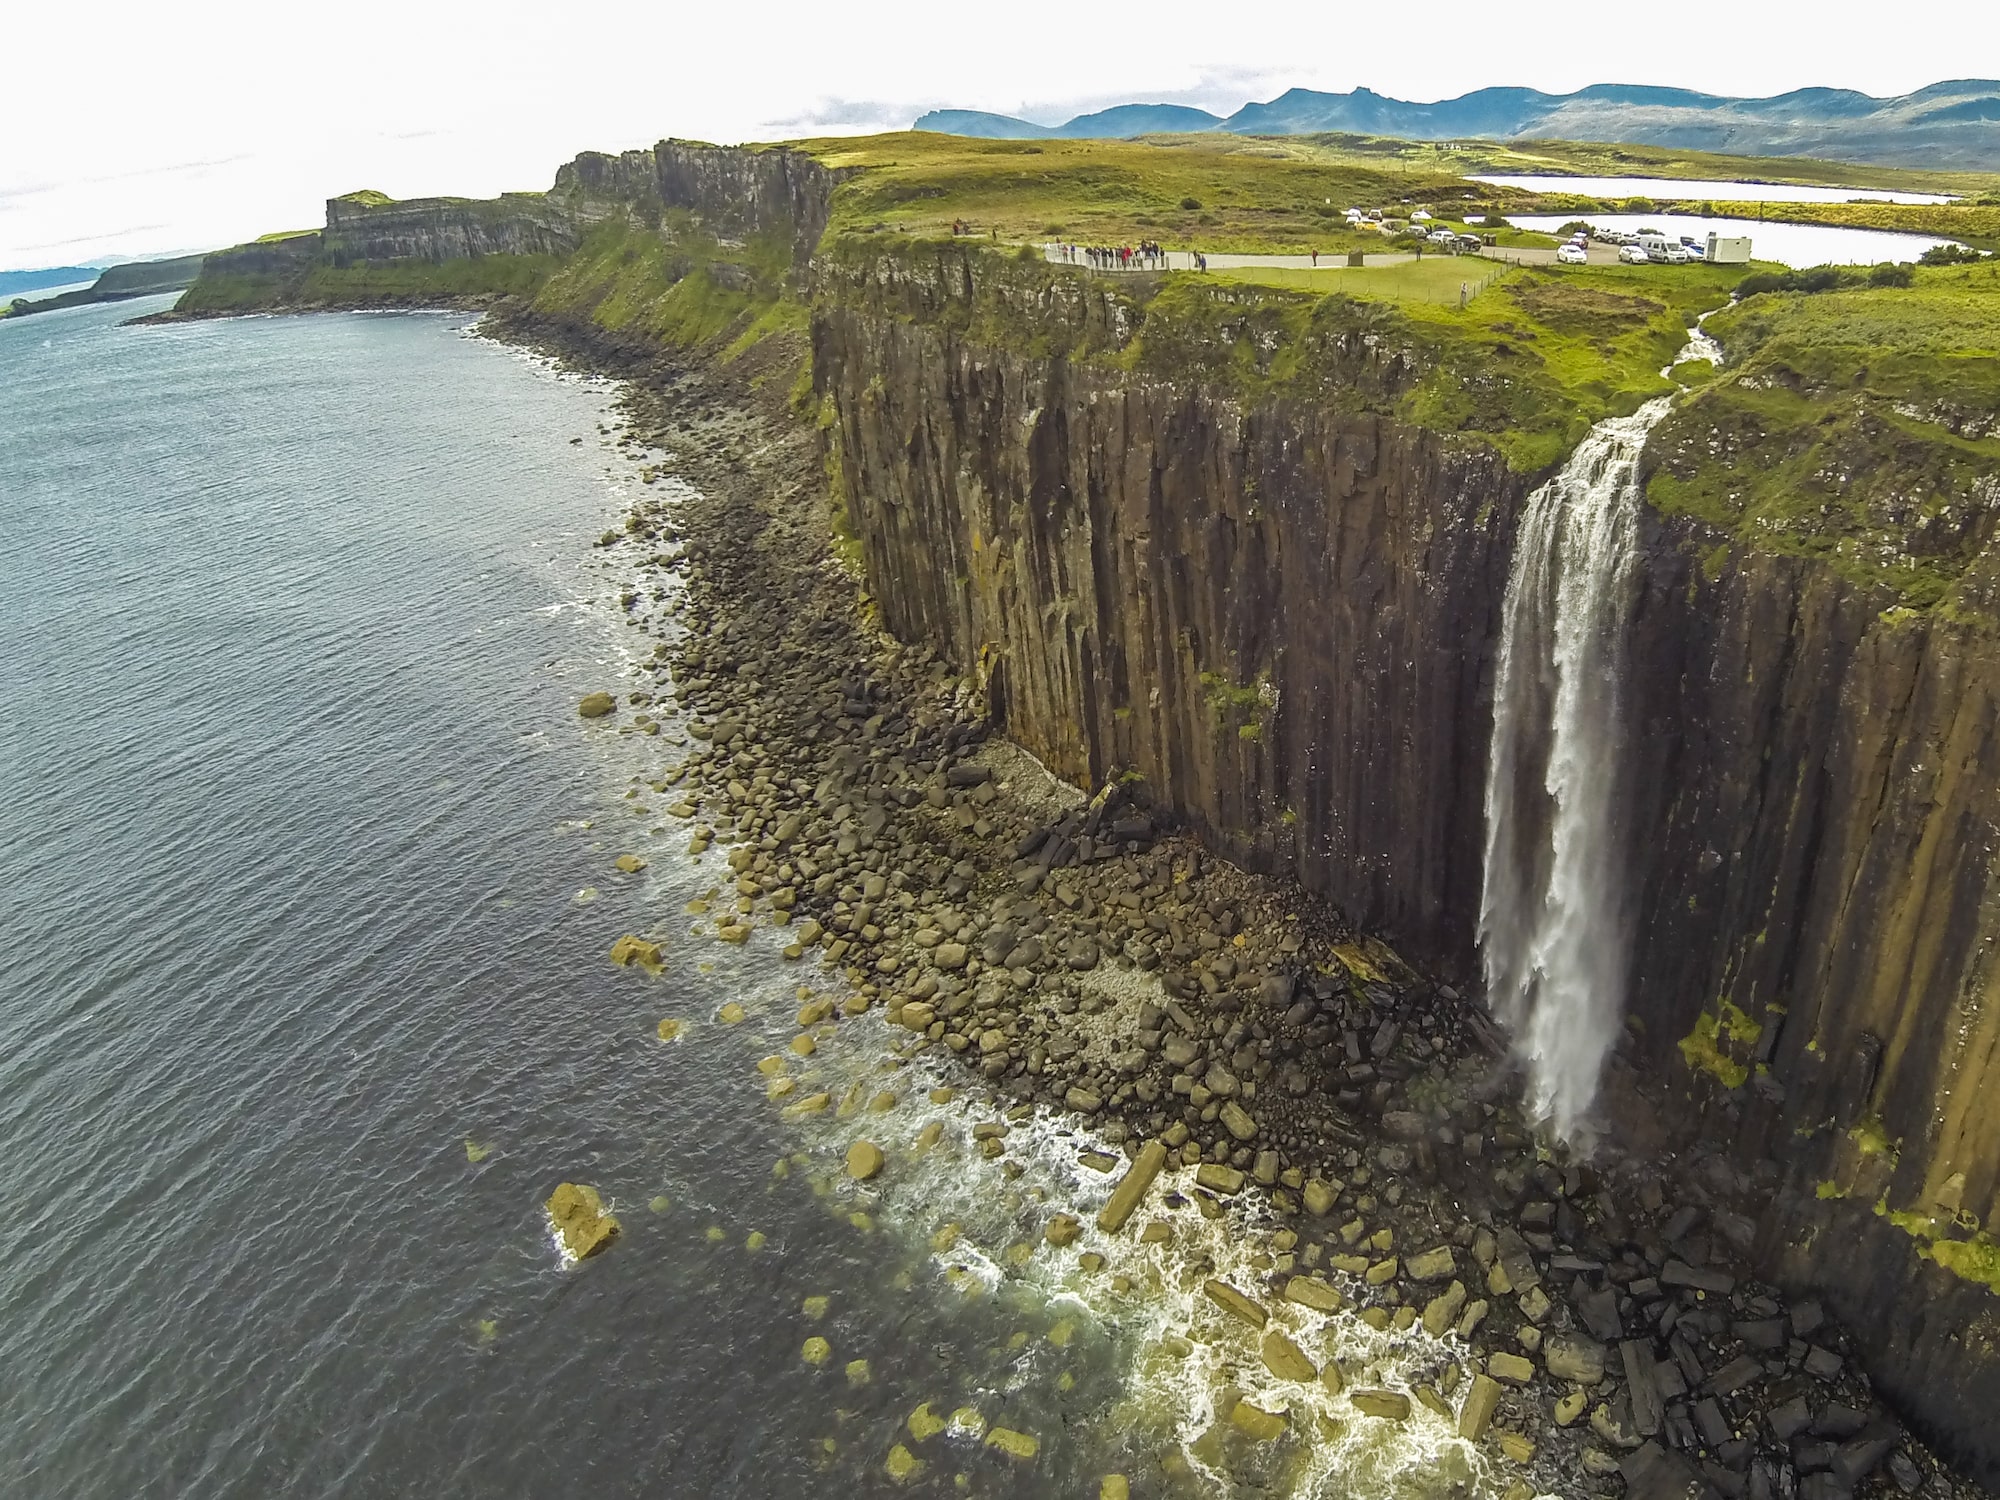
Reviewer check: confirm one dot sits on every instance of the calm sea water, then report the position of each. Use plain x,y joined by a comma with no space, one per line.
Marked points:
306,885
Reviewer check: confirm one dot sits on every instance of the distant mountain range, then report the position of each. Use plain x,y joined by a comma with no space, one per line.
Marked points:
1953,124
12,282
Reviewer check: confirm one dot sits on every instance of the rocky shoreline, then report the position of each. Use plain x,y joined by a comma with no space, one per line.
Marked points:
1073,950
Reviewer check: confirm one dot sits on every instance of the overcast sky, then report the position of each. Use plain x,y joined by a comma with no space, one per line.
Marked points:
130,129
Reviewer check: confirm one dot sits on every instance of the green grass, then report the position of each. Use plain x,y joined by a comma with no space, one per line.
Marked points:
369,283
680,287
1254,196
1851,427
1434,279
278,235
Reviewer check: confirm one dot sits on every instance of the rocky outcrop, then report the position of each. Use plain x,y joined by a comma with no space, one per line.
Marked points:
368,227
733,192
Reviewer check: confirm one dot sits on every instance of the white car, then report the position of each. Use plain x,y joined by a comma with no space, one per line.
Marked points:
1633,255
1572,254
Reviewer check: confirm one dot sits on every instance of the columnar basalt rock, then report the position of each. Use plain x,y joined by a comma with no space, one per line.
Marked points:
1277,615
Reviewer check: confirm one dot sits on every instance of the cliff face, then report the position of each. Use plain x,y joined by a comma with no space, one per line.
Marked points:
1281,612
733,193
360,228
1276,612
1817,847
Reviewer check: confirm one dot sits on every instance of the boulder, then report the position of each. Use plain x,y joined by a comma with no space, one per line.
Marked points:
1230,1300
864,1160
597,705
1572,1357
1477,1412
1310,1291
1132,1187
629,950
1287,1360
581,1224
1390,1406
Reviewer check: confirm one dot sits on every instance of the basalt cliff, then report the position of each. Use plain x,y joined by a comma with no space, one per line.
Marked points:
1192,536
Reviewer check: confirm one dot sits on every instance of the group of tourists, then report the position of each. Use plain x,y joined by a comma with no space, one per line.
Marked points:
1144,256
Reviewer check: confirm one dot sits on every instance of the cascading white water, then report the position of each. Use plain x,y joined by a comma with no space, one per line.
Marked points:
1552,921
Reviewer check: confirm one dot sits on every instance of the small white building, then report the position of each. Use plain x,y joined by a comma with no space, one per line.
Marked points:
1732,250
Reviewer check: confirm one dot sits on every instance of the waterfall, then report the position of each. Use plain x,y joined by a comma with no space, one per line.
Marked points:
1552,920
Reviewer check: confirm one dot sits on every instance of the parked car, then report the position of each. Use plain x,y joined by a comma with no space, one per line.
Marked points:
1444,239
1632,255
1572,254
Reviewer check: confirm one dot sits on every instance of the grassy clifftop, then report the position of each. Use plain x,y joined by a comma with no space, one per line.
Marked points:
1860,426
1217,193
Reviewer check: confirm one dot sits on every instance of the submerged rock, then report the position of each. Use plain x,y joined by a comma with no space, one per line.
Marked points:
629,950
581,1224
1014,1444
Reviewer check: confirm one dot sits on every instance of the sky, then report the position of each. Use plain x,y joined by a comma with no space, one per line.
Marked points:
131,130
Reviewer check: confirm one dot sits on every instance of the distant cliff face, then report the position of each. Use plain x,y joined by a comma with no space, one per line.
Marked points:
365,227
734,192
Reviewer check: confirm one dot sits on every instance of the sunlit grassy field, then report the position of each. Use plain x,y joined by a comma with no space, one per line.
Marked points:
1220,194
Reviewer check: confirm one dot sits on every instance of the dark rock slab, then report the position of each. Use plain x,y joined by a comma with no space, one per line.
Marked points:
1652,1473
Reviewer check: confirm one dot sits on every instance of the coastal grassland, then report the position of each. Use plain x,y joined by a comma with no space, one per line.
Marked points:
1525,367
1531,363
1435,278
678,286
1220,194
366,283
1853,426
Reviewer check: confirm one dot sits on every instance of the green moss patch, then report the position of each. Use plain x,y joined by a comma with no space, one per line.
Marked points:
1721,1043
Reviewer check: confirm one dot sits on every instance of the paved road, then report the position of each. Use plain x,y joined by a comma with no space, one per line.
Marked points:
1183,260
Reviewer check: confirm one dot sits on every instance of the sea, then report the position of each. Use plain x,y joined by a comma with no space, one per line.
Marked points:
307,891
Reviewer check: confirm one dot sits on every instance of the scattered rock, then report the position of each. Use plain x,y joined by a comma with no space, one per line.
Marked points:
1230,1300
629,950
1389,1406
581,1223
864,1160
1476,1413
1286,1360
597,705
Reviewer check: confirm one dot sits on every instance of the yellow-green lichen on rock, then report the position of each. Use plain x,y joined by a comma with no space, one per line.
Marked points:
581,1225
1975,1258
1714,1045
